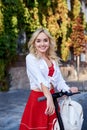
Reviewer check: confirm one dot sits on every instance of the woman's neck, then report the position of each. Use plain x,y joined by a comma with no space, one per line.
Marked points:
42,55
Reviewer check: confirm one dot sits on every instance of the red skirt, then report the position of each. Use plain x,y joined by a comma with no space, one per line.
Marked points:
34,117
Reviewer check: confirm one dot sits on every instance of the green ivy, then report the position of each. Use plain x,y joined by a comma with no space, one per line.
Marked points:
3,81
28,15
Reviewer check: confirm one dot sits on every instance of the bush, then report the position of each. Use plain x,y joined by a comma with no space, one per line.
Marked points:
8,48
3,82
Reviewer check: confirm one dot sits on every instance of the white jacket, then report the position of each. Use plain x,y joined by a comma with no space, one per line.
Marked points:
37,71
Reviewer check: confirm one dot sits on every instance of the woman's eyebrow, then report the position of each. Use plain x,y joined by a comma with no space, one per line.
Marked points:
38,39
41,39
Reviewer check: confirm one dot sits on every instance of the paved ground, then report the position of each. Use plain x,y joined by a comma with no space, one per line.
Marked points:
12,104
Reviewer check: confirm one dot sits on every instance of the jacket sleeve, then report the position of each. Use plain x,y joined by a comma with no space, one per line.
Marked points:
33,71
58,80
61,84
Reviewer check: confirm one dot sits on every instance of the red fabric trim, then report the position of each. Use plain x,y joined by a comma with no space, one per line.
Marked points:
51,70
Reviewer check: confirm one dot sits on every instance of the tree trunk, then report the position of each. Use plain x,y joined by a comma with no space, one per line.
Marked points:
78,65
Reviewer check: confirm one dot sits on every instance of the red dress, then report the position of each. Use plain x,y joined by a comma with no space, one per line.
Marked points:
34,117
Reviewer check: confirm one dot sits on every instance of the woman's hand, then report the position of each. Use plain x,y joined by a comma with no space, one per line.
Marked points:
50,106
74,89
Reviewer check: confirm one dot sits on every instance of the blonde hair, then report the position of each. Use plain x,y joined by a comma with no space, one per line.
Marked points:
50,52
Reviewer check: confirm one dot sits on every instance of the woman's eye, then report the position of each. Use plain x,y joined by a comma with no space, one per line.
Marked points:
46,40
37,40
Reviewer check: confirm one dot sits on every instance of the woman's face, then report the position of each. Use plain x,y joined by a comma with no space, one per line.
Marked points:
42,43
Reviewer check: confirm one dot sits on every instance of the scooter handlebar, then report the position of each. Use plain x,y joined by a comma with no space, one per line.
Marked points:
58,94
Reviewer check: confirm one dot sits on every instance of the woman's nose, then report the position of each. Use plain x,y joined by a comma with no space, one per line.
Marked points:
42,42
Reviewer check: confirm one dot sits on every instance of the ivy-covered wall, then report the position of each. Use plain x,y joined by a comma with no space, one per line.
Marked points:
28,15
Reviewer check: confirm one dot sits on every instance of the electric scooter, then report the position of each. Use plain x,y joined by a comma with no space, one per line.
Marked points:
55,96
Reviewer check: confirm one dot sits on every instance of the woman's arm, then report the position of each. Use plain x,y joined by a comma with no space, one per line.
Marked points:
61,84
50,104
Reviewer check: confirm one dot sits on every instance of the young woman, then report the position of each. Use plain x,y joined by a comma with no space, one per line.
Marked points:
44,76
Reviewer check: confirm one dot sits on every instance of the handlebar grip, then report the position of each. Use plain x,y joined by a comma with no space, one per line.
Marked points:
70,93
41,98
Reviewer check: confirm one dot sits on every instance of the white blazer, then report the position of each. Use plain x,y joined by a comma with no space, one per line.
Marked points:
37,71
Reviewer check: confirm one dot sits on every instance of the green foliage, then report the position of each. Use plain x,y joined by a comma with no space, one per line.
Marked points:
29,3
1,20
76,6
7,47
7,55
2,69
64,25
28,15
86,27
3,81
